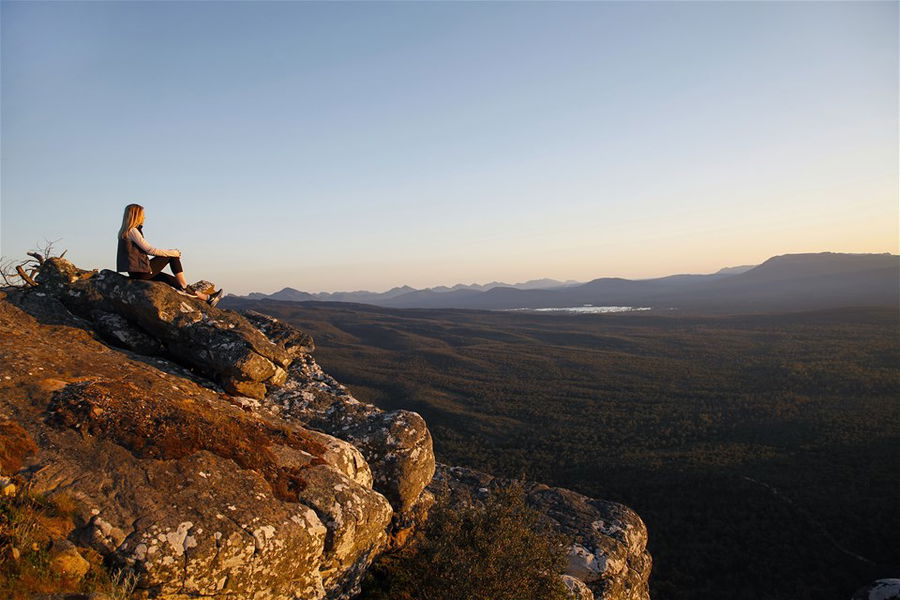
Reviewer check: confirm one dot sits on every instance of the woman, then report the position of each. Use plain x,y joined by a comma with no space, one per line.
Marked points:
133,251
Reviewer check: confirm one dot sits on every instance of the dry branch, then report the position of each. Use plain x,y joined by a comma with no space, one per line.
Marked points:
25,276
22,275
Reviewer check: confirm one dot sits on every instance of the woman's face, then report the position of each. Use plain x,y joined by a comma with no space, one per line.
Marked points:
141,218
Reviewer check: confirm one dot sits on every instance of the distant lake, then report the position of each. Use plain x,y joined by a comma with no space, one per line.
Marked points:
584,309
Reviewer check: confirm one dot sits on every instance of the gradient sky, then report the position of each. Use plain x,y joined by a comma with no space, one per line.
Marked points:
340,146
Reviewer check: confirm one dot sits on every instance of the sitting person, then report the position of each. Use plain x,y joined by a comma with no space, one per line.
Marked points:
133,256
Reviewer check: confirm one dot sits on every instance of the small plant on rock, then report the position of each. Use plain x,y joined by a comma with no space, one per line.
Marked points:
490,550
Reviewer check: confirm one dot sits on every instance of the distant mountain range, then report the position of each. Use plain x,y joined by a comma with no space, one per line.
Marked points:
786,282
380,298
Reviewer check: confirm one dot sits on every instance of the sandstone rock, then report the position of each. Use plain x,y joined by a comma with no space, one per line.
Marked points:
221,344
201,526
345,457
42,304
209,496
230,501
611,533
406,523
881,589
397,445
609,540
294,341
577,589
356,520
198,493
584,564
222,532
116,330
251,389
7,487
67,562
203,286
59,273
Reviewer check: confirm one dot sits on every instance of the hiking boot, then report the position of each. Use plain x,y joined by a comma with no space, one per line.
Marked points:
214,298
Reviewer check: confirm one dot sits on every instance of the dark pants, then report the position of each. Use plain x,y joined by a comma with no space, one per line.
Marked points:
157,264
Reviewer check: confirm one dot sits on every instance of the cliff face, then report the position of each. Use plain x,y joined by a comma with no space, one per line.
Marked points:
208,451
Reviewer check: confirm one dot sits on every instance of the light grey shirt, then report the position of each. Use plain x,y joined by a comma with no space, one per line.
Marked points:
135,236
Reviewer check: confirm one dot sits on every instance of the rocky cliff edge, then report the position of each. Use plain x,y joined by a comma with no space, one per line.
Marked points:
206,449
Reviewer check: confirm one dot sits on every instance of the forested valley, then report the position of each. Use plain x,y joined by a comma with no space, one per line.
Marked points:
761,450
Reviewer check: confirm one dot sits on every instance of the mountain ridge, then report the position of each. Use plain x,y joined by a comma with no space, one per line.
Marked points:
783,282
358,295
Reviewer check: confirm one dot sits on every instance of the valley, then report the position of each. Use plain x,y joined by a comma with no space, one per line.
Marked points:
761,450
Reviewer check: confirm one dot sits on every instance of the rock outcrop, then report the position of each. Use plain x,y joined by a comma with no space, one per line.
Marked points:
608,552
150,318
396,444
284,487
882,589
200,493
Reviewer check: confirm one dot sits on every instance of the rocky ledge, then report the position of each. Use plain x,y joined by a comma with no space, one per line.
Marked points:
207,450
608,555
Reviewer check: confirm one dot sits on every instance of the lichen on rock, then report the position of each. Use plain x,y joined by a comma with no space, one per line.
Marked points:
287,488
198,493
153,318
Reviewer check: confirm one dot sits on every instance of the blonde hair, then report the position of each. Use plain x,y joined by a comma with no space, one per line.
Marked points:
134,216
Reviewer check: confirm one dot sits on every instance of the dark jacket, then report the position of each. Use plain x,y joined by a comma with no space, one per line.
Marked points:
129,257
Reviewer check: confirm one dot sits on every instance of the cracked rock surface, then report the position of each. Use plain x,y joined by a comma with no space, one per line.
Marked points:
286,487
153,318
201,493
396,444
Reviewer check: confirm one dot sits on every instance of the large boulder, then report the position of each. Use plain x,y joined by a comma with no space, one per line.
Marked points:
397,445
153,318
254,355
287,489
212,498
608,549
295,342
193,526
201,494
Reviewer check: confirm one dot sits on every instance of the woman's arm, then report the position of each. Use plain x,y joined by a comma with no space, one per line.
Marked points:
135,236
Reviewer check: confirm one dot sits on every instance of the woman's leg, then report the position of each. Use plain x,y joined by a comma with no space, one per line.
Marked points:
174,263
168,279
158,263
151,276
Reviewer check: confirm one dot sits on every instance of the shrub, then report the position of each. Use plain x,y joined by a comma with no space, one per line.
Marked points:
495,549
29,525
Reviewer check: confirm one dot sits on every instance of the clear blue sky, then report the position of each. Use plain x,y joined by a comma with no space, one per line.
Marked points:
329,146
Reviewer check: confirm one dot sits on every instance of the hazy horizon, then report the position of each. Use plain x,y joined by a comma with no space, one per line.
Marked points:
530,279
362,146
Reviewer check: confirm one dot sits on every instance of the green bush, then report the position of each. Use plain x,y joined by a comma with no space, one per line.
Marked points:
490,550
